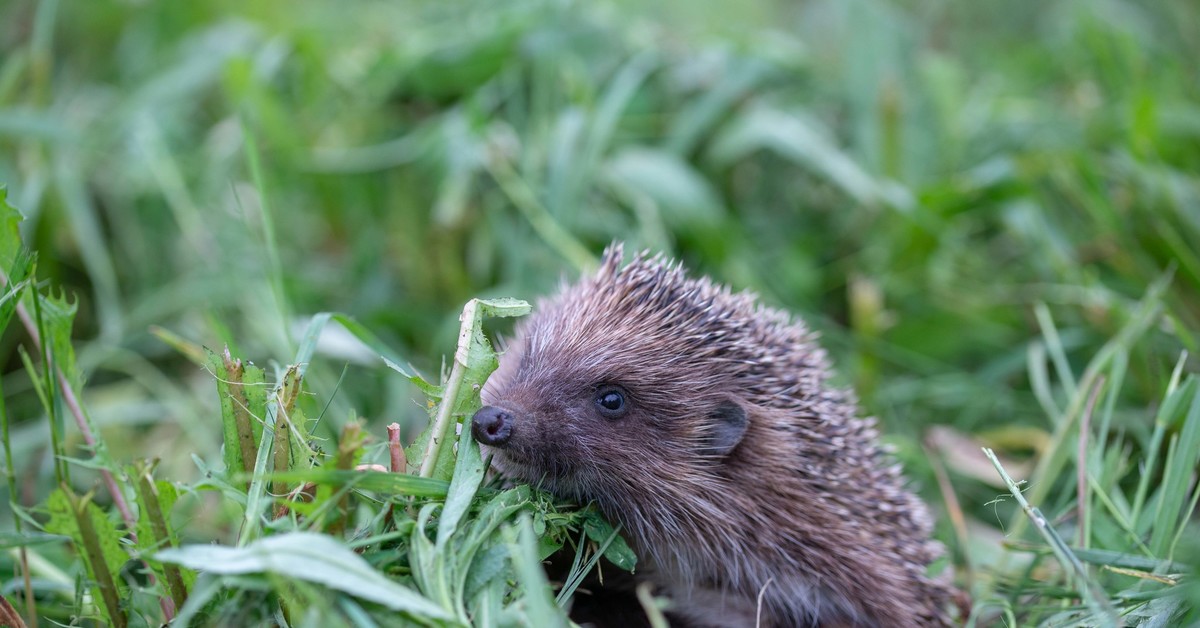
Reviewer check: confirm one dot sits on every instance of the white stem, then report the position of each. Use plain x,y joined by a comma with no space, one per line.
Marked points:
441,424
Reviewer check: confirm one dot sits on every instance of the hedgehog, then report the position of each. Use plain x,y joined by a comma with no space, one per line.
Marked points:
705,424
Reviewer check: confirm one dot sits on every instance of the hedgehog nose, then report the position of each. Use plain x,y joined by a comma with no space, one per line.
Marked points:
492,426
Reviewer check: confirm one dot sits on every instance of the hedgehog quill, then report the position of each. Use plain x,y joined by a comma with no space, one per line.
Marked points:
704,422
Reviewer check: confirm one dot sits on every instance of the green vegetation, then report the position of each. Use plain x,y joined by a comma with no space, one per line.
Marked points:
990,211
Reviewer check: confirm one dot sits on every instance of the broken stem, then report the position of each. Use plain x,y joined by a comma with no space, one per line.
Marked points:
399,463
442,423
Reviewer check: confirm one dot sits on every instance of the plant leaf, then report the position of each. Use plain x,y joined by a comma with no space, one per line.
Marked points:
685,197
310,557
798,139
96,539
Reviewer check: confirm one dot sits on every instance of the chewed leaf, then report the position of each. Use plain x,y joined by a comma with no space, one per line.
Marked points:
96,538
243,404
474,361
503,307
310,557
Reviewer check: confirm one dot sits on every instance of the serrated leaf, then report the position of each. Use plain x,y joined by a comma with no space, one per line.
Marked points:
441,569
97,540
58,318
309,557
156,499
243,406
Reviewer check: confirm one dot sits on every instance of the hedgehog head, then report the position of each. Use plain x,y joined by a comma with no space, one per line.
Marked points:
634,360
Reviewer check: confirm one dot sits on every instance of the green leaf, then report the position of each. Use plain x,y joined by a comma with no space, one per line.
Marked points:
468,475
9,540
243,407
161,498
58,317
377,481
430,390
617,551
491,517
429,567
474,360
156,499
97,540
697,119
488,565
1177,477
536,596
799,139
685,197
15,260
308,344
308,557
367,337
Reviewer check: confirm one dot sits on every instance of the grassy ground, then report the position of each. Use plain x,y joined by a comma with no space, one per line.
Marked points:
989,210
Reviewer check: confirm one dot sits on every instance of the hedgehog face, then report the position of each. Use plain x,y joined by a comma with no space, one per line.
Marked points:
561,431
582,430
633,357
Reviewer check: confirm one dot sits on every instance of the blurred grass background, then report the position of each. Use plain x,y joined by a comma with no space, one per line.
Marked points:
912,177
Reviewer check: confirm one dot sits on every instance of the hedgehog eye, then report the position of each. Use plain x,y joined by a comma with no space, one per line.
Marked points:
610,402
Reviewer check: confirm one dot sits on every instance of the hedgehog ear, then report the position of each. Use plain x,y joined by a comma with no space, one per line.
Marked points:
728,423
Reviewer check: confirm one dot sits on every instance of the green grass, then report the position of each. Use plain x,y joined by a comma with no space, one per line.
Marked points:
989,211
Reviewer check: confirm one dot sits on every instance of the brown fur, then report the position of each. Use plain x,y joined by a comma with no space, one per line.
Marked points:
805,509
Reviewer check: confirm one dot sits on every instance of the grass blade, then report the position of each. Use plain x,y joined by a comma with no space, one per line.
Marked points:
308,557
1091,592
1181,464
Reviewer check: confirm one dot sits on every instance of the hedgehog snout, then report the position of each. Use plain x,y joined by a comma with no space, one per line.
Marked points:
492,426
